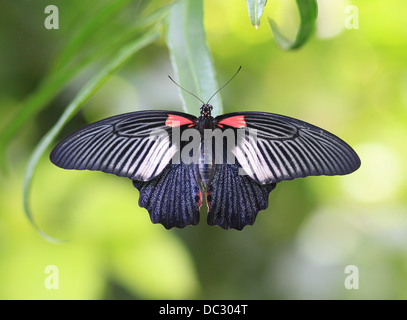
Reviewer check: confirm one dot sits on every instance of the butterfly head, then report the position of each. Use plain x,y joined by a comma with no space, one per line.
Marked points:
206,110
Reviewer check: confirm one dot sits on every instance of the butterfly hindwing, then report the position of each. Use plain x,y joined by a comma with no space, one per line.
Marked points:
124,145
278,148
173,198
234,199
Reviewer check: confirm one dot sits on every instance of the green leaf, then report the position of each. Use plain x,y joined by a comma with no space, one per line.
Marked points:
190,55
87,27
308,10
73,59
83,95
256,8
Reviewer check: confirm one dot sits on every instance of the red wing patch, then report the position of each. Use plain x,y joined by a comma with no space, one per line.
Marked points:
176,121
235,121
198,198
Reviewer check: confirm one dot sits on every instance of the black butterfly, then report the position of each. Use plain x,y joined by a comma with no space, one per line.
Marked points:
285,149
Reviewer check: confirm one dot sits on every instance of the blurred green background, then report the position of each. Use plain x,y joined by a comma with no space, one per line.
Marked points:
350,82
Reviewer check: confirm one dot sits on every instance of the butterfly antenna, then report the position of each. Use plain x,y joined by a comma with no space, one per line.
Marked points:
186,90
224,84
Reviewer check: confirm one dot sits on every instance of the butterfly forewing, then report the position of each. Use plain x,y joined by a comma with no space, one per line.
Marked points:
278,148
125,145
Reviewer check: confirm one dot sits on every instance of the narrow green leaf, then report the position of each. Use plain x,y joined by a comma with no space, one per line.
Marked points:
308,10
190,55
256,8
83,95
57,80
87,28
47,90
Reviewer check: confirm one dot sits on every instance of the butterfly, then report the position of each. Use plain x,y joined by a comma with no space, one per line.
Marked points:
273,148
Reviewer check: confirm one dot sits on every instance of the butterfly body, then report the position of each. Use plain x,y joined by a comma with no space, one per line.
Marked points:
205,166
271,148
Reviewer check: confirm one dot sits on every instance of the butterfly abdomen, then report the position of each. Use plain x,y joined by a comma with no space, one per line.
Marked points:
206,162
205,167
